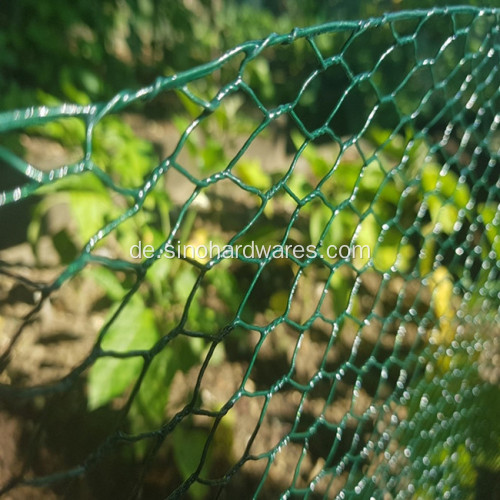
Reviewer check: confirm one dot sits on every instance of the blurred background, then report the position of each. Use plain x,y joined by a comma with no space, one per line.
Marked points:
99,48
364,323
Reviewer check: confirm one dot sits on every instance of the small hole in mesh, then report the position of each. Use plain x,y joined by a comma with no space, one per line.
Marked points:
392,71
244,417
331,44
120,153
449,58
311,112
481,28
271,293
272,359
60,336
266,154
409,98
463,20
406,27
321,441
308,359
274,74
432,35
339,292
215,303
282,470
163,135
55,144
248,478
379,39
354,111
277,422
305,301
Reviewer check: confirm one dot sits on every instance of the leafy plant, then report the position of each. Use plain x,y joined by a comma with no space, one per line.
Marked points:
156,310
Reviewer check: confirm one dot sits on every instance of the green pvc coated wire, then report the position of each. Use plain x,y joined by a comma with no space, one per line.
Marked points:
417,440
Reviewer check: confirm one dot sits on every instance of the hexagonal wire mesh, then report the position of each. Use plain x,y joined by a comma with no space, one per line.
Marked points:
271,377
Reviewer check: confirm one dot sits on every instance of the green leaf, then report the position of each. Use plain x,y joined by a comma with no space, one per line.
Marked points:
108,281
251,173
367,235
191,107
261,77
319,165
148,407
345,177
212,156
371,178
447,186
491,220
394,146
90,211
71,92
119,152
390,252
297,139
340,286
188,447
441,213
299,185
64,246
109,377
369,231
319,218
183,283
341,229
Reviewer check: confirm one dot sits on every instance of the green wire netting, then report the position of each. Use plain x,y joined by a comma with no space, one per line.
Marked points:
368,377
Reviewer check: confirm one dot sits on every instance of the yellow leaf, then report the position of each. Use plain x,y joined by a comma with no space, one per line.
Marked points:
441,285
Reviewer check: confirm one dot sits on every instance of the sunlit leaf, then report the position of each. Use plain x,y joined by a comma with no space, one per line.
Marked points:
109,377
